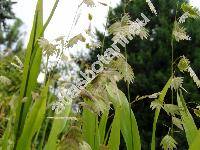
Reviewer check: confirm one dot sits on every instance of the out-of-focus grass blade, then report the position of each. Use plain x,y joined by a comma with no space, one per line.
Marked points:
128,124
114,140
35,34
9,136
33,121
195,143
57,128
102,126
28,85
157,112
90,129
32,62
187,119
31,66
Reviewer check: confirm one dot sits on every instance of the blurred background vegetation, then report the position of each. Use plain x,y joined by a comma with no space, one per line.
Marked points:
11,43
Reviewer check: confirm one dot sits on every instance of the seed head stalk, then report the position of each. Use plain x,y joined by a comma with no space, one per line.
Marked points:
172,64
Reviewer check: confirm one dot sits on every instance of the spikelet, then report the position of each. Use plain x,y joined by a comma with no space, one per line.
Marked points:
179,33
184,65
143,33
126,19
168,143
100,101
93,45
90,17
176,83
152,96
151,6
194,76
138,29
49,49
156,104
5,80
96,91
84,146
120,28
183,17
72,140
177,122
171,109
193,12
123,68
19,66
189,11
75,40
17,59
127,28
16,66
89,3
197,112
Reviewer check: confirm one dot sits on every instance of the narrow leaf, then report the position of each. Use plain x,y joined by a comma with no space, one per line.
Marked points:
187,120
157,112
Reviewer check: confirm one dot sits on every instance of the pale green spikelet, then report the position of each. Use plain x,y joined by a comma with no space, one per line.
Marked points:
168,143
123,68
49,49
183,64
176,83
197,111
75,40
193,12
156,104
127,28
177,122
118,26
171,109
89,3
179,33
